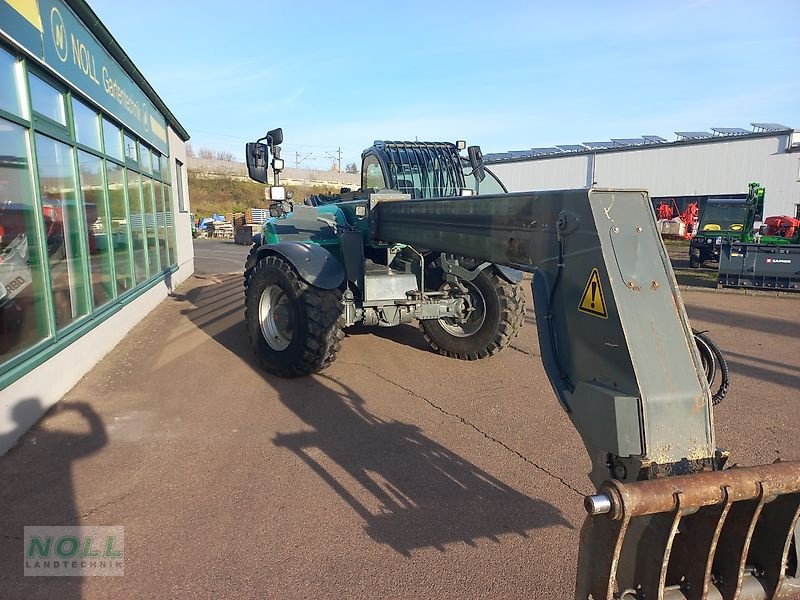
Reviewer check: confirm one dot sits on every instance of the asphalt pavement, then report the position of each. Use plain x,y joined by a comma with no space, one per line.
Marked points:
395,473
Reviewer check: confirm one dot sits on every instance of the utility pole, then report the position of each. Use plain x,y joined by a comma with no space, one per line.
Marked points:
298,160
337,156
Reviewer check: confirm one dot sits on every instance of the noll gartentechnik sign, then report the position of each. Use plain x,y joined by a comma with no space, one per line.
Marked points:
74,551
69,47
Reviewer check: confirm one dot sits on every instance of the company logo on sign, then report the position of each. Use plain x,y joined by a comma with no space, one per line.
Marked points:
76,551
781,261
59,34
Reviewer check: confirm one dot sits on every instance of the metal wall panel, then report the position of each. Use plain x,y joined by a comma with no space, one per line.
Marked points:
688,170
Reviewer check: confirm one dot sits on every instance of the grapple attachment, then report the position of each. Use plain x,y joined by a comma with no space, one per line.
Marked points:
721,535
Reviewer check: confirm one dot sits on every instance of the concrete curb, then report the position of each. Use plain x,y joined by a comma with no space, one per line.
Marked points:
738,292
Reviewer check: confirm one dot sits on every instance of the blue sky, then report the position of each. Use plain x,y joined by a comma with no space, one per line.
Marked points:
505,75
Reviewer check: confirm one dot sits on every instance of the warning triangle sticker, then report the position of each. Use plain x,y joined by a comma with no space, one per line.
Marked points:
592,301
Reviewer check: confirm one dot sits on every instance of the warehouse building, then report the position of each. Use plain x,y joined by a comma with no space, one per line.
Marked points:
695,167
94,222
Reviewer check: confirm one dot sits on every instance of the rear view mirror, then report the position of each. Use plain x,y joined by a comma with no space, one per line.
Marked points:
275,137
256,155
476,162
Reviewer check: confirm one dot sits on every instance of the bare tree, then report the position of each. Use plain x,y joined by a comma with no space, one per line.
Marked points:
189,151
351,168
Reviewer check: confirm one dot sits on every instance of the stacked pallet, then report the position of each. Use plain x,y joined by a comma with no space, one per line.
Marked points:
220,229
239,219
256,216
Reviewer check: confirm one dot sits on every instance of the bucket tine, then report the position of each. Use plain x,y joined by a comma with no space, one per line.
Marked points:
598,559
698,537
769,550
734,543
651,567
714,535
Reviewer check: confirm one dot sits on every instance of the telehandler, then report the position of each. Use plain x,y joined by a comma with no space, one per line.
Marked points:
668,520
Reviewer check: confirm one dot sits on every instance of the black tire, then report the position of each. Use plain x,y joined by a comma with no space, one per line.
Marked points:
695,260
317,318
249,265
504,305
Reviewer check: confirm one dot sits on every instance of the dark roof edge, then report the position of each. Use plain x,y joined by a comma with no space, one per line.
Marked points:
93,22
709,140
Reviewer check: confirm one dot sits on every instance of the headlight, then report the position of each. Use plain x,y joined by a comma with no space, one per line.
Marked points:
709,241
718,241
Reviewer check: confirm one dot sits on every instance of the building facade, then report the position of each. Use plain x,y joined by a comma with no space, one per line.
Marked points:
699,166
94,222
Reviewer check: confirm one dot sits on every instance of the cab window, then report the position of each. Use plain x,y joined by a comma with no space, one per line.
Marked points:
372,174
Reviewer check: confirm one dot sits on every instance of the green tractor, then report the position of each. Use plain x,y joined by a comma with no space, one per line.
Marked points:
316,268
725,220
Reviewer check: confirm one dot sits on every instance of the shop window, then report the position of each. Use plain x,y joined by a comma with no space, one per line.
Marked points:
119,226
145,160
179,186
156,164
169,219
10,97
161,223
165,173
150,224
99,239
112,139
23,305
64,222
131,154
47,100
87,125
138,230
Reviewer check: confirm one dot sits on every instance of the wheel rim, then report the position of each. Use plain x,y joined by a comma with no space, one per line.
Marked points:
468,327
275,317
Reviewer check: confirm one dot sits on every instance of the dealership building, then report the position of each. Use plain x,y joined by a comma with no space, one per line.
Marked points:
697,166
94,222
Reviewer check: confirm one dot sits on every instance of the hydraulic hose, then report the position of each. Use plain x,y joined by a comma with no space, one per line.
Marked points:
713,359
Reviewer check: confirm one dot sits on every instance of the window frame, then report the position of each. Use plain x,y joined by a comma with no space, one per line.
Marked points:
33,123
182,208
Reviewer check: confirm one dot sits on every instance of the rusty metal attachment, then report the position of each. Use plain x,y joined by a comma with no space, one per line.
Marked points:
721,535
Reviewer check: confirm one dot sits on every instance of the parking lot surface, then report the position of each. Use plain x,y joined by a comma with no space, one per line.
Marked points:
395,473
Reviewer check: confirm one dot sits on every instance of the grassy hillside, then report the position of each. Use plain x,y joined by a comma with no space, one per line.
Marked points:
221,195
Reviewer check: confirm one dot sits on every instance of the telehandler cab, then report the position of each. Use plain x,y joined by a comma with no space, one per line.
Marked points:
668,521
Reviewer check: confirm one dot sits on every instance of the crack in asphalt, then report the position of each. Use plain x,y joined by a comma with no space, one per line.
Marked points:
522,351
488,436
91,511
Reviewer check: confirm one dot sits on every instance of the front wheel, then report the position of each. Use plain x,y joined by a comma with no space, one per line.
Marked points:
295,329
499,311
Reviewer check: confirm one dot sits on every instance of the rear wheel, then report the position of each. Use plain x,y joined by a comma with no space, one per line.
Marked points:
695,260
295,329
499,311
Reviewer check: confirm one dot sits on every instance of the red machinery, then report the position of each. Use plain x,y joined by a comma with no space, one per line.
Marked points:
783,226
